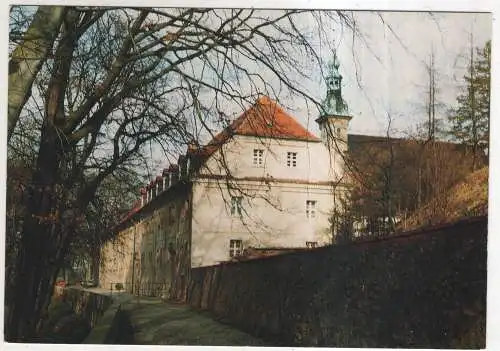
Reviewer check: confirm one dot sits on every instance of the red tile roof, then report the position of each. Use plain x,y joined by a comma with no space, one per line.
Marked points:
267,119
264,119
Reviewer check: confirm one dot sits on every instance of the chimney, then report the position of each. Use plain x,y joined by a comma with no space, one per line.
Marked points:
174,174
144,196
152,186
182,166
148,193
166,179
159,185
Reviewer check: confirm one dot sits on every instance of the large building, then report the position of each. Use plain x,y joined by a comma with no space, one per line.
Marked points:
264,182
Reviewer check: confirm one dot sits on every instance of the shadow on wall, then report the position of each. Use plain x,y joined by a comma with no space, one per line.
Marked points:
426,289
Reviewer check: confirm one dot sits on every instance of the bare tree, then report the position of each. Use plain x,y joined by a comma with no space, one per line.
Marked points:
120,81
28,57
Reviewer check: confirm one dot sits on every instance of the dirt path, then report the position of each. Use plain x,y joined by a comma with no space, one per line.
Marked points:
157,323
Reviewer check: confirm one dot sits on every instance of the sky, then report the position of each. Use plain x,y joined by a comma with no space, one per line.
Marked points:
384,68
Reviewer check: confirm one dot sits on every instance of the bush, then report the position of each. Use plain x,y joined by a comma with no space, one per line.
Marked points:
119,286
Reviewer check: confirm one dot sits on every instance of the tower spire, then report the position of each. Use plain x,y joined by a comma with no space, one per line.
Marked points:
334,104
334,116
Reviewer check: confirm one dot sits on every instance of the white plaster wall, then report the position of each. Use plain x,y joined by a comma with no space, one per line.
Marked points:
274,212
335,131
314,160
274,215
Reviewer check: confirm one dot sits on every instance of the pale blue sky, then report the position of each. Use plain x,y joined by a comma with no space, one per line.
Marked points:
384,73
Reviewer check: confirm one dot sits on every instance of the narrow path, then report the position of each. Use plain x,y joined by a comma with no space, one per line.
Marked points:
157,323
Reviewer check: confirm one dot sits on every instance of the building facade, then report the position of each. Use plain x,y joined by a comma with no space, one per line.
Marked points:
264,182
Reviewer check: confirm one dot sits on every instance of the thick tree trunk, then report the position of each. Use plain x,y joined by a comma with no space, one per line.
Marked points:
28,58
43,243
36,268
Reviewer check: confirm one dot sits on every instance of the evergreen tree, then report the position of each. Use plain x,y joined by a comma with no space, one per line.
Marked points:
470,119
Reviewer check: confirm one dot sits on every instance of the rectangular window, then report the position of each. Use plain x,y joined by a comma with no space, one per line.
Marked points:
311,244
236,205
258,157
235,247
310,209
291,159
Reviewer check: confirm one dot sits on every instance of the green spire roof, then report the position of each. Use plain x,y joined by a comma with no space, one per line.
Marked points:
334,104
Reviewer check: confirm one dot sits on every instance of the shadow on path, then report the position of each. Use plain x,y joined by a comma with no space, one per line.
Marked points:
157,323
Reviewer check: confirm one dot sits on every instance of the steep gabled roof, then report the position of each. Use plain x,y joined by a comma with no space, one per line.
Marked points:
265,119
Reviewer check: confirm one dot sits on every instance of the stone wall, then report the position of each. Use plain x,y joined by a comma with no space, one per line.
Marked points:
87,304
160,258
423,289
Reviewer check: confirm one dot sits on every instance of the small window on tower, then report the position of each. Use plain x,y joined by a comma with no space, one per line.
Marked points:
235,247
291,159
258,157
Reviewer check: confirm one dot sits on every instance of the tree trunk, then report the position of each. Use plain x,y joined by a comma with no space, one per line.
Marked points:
35,268
43,243
28,58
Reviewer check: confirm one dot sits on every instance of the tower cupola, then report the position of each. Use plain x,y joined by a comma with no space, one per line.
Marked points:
334,104
334,118
334,114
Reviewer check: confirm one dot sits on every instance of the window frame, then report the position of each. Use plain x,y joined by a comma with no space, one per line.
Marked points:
235,247
311,209
291,159
258,158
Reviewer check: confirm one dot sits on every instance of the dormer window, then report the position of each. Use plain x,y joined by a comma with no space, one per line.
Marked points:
258,157
291,159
